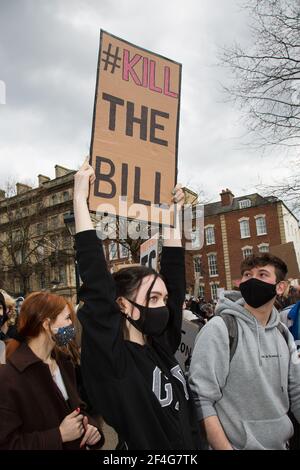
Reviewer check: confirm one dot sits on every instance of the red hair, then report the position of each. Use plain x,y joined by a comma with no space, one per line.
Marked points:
36,308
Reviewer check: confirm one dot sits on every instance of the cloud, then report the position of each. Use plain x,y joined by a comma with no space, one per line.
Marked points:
48,56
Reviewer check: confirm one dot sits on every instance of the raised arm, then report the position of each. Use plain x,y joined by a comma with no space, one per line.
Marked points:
173,271
102,340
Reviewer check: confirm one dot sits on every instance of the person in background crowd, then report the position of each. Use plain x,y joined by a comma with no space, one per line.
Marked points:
3,319
287,312
207,311
40,408
19,301
8,329
187,314
131,329
243,399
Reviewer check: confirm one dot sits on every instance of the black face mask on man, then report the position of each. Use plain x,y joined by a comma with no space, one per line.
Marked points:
152,321
256,292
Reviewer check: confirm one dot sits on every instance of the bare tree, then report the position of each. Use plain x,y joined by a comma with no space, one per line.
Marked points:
25,246
267,75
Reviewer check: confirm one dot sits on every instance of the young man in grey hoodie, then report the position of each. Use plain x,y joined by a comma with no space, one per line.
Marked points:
243,402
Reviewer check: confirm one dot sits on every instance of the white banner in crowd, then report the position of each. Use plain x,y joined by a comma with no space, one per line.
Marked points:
149,252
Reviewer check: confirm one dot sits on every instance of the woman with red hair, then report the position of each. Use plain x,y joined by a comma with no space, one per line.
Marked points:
40,408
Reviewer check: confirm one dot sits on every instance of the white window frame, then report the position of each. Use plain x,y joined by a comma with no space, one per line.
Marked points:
197,273
263,245
213,238
258,217
246,248
202,287
244,203
241,220
214,272
123,250
113,255
214,286
195,239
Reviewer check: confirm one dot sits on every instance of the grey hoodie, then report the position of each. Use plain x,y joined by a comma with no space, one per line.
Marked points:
252,394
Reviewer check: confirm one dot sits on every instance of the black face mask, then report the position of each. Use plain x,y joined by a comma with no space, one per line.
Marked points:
256,292
4,317
152,321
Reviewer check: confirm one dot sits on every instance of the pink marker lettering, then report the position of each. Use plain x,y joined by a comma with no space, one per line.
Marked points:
167,90
152,85
128,67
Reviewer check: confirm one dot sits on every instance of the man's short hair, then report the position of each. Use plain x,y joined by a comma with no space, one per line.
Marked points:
254,261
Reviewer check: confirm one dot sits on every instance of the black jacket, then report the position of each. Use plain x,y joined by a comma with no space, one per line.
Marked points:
139,390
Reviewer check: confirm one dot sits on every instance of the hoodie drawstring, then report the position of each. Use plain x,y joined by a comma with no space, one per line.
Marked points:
279,363
258,343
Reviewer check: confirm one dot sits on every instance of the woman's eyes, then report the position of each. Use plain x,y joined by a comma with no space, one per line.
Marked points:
155,299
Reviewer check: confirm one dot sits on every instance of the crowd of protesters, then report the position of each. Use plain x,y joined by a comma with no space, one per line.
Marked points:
243,386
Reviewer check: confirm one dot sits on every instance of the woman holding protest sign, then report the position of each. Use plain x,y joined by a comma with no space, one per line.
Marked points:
131,329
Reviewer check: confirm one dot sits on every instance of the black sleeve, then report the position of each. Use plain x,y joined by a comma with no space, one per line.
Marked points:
100,317
173,271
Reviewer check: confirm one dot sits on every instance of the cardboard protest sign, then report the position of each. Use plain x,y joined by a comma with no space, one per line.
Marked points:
189,331
149,252
135,129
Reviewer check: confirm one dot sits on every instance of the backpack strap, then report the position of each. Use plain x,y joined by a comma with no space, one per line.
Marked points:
284,332
232,328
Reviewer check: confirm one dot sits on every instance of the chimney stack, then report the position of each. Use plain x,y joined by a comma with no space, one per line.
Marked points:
43,179
22,188
61,171
226,197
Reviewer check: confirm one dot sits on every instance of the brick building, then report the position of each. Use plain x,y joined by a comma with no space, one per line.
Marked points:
235,227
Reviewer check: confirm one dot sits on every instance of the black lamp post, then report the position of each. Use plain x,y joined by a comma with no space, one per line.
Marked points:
69,221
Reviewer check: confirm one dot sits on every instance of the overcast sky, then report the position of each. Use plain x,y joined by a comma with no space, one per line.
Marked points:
48,61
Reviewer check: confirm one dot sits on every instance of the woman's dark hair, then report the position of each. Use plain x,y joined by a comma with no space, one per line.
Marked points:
2,303
129,280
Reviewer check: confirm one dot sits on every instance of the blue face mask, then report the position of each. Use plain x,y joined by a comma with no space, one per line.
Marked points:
64,335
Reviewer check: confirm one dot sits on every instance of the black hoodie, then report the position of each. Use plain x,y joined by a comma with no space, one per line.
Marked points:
139,390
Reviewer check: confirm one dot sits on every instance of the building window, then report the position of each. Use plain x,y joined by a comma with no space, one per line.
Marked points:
197,265
212,264
244,203
113,250
214,291
62,274
124,251
263,247
261,228
40,252
54,199
39,229
210,235
201,291
42,281
19,256
247,251
17,235
244,228
195,239
54,222
65,196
